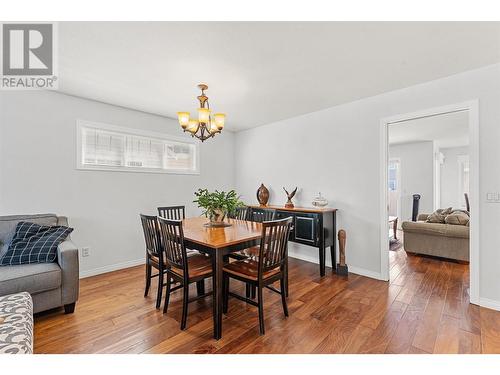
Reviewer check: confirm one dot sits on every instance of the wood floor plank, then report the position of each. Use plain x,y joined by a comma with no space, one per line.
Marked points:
447,339
382,335
425,308
490,331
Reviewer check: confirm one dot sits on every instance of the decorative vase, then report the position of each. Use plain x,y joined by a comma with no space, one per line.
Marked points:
217,216
263,195
319,201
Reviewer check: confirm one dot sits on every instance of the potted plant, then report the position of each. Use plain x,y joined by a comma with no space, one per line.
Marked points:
217,204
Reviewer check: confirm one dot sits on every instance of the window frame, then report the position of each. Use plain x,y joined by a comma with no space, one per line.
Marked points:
81,124
462,160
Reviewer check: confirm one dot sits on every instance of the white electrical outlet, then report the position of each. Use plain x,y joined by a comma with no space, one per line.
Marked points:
85,251
493,197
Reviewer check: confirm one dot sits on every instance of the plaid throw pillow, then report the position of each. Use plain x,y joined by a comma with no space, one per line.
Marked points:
33,243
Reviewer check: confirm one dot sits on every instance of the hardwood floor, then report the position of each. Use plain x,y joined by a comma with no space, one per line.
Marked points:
424,309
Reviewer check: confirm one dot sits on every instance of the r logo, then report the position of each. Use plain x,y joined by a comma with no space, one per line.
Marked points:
27,49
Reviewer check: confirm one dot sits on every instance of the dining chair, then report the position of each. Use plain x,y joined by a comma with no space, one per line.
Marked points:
172,212
241,213
183,268
269,268
154,255
260,215
179,213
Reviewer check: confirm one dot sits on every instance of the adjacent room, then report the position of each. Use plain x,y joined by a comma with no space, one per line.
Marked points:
429,214
250,187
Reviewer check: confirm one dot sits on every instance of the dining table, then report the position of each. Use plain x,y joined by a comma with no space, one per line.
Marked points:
219,242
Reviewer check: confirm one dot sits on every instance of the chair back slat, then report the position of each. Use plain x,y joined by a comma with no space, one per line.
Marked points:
172,212
273,245
152,236
172,237
260,215
239,214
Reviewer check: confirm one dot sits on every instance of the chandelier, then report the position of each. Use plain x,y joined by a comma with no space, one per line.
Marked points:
207,124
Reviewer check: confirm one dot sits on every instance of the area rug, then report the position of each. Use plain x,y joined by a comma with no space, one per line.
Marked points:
395,245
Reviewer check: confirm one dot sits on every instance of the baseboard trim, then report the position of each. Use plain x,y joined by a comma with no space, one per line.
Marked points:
352,269
489,303
111,268
365,272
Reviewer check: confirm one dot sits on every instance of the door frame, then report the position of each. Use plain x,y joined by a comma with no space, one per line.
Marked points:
472,108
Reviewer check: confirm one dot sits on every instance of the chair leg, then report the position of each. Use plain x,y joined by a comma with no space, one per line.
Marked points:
286,277
200,287
160,289
254,290
185,302
247,290
167,294
283,295
261,311
148,280
225,294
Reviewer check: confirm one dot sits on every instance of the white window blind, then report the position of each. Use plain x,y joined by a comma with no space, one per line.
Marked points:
107,147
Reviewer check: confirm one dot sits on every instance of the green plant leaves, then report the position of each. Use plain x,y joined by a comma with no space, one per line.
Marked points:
226,202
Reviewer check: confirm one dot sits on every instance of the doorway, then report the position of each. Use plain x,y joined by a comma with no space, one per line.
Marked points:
470,110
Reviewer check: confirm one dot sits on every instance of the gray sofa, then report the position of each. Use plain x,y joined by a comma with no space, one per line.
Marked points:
436,239
51,285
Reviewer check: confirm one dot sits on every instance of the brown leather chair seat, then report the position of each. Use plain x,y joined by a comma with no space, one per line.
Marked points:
189,253
198,265
248,268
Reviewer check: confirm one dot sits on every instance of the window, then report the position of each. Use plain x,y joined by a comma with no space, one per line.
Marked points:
463,178
393,174
108,147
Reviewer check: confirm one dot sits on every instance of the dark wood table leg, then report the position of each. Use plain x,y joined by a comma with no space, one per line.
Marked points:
333,254
217,264
200,287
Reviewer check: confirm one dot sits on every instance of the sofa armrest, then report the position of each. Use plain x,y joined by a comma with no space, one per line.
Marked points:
67,257
422,217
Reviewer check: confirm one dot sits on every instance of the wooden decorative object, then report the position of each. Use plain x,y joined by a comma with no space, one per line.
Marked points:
342,267
289,203
263,195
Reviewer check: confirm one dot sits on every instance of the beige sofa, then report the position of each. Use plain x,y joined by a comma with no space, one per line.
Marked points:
441,240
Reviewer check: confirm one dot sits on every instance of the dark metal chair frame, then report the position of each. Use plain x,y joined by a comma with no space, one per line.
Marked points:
172,236
272,255
154,249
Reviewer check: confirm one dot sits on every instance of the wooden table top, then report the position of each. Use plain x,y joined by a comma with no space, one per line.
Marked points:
217,237
297,209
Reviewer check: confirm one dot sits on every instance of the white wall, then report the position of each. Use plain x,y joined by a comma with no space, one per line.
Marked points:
450,196
337,151
37,174
417,175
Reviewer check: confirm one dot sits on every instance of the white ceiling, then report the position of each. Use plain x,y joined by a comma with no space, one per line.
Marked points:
447,130
262,72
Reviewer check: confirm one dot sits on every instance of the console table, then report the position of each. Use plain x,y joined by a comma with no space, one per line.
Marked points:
314,227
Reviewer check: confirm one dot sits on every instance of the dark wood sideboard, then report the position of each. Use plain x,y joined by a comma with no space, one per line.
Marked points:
314,227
